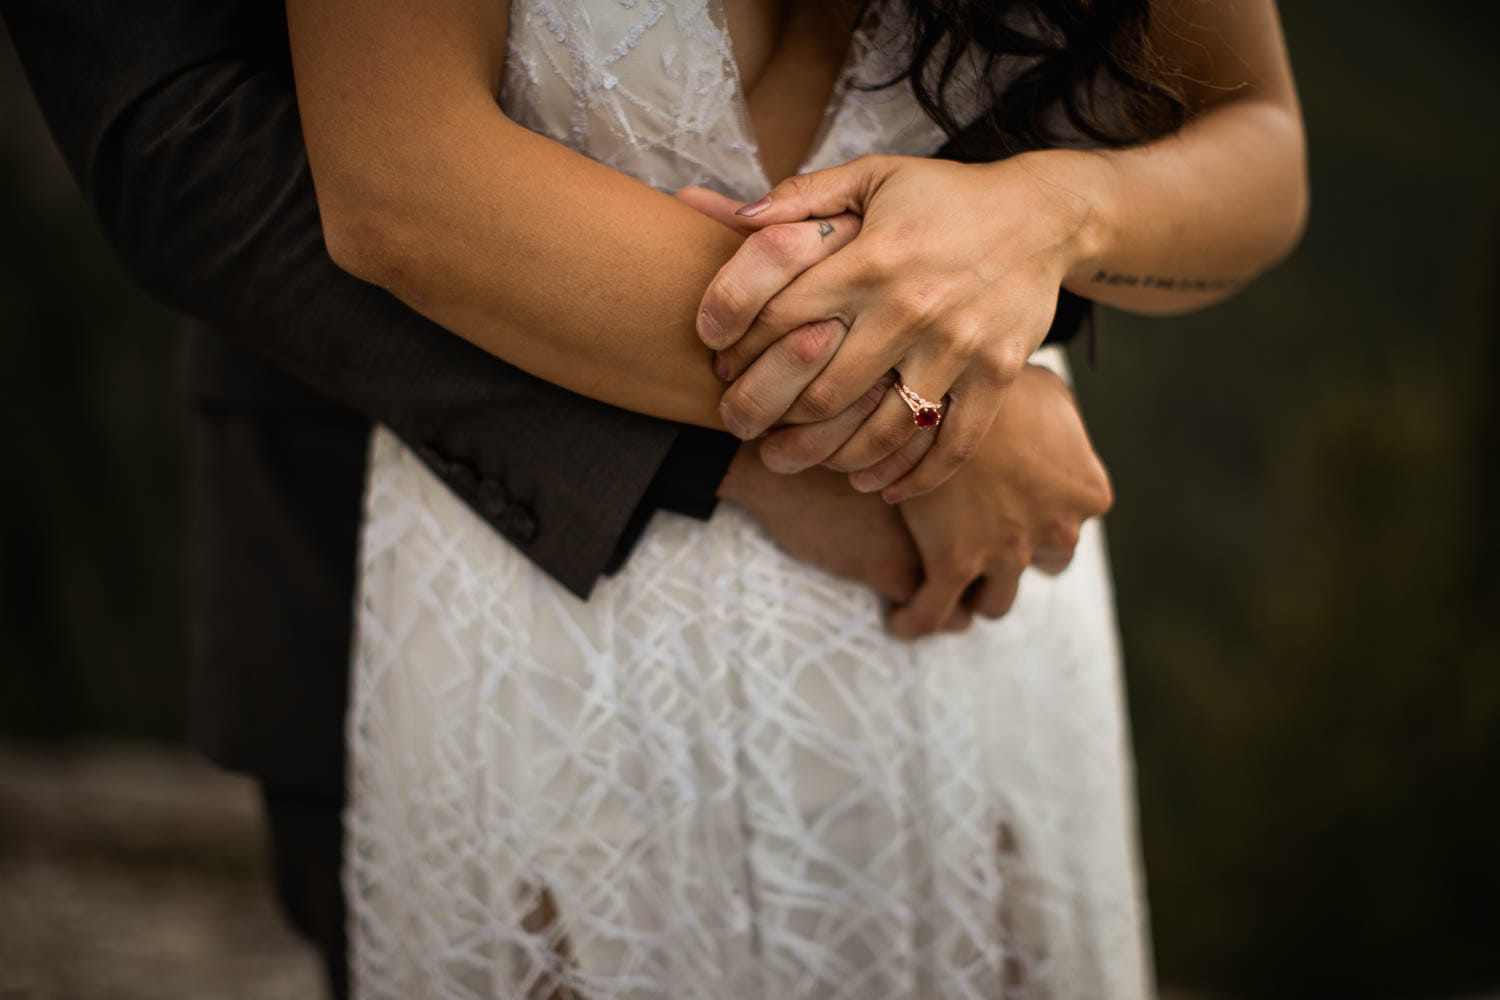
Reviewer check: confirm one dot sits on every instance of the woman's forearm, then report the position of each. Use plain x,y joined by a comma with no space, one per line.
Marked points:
1189,219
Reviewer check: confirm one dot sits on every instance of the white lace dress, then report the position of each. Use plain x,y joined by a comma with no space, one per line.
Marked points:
719,777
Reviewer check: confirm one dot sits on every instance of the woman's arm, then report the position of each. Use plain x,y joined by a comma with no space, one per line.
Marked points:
566,268
954,276
1190,219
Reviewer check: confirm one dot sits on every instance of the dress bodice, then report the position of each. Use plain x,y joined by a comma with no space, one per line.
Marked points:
651,88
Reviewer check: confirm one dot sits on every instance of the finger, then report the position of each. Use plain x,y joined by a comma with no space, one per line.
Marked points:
1055,543
1052,561
996,593
845,188
894,424
822,396
959,621
720,208
966,420
757,400
894,466
829,288
793,449
931,606
895,579
861,361
888,430
769,261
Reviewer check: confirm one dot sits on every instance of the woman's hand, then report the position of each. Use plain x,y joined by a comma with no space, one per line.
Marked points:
952,282
1020,502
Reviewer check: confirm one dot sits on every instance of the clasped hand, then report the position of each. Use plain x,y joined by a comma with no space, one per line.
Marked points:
1033,479
951,281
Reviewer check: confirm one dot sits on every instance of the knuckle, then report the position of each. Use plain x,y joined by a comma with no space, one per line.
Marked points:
964,338
795,186
962,450
1100,495
1016,551
802,446
914,306
776,313
956,562
840,462
808,345
999,605
888,437
820,400
728,296
1006,361
779,243
882,261
743,403
1062,532
1052,561
867,404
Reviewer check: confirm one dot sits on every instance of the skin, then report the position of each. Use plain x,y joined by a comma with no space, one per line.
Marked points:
427,189
954,276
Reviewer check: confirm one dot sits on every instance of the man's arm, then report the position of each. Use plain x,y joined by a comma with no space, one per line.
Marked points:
179,121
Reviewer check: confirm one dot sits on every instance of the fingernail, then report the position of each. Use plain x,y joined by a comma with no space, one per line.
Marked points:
864,482
893,496
753,209
776,460
721,368
709,329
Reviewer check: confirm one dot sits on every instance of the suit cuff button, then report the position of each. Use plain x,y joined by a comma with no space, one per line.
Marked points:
493,500
520,523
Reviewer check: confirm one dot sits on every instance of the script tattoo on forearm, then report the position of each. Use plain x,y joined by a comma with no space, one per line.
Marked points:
1167,284
825,229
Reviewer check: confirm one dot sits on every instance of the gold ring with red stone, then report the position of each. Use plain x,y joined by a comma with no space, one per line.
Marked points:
924,412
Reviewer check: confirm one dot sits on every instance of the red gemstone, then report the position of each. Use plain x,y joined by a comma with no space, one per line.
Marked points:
928,416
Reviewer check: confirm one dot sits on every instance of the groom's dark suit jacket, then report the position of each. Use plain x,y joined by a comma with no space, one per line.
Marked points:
179,121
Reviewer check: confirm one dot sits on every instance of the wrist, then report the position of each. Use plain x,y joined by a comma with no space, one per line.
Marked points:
1081,188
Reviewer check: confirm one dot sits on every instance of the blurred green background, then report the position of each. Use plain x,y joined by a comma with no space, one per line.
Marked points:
1306,539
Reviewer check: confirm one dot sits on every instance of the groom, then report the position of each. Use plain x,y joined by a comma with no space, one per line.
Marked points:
179,122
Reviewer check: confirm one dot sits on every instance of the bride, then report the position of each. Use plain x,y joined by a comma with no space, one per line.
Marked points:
722,775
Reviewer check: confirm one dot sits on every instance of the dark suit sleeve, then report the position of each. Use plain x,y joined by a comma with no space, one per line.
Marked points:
180,123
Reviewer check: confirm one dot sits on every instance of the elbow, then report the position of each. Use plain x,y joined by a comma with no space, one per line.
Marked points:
1292,220
363,235
1286,218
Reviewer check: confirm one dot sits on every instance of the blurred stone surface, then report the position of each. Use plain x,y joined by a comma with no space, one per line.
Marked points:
130,872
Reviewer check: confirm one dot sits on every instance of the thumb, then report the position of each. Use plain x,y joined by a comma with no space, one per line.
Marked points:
820,194
716,206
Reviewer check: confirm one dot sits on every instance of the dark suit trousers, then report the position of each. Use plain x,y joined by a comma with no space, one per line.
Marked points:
306,832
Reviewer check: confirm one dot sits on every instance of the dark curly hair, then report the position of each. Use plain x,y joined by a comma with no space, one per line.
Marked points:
1088,63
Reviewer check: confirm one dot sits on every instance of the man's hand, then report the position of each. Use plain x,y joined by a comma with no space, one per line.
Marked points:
1019,502
817,518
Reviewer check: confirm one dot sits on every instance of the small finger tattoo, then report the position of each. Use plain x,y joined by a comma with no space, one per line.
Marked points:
825,229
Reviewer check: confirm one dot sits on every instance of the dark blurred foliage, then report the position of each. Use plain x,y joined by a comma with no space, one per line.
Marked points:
1306,539
1307,546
